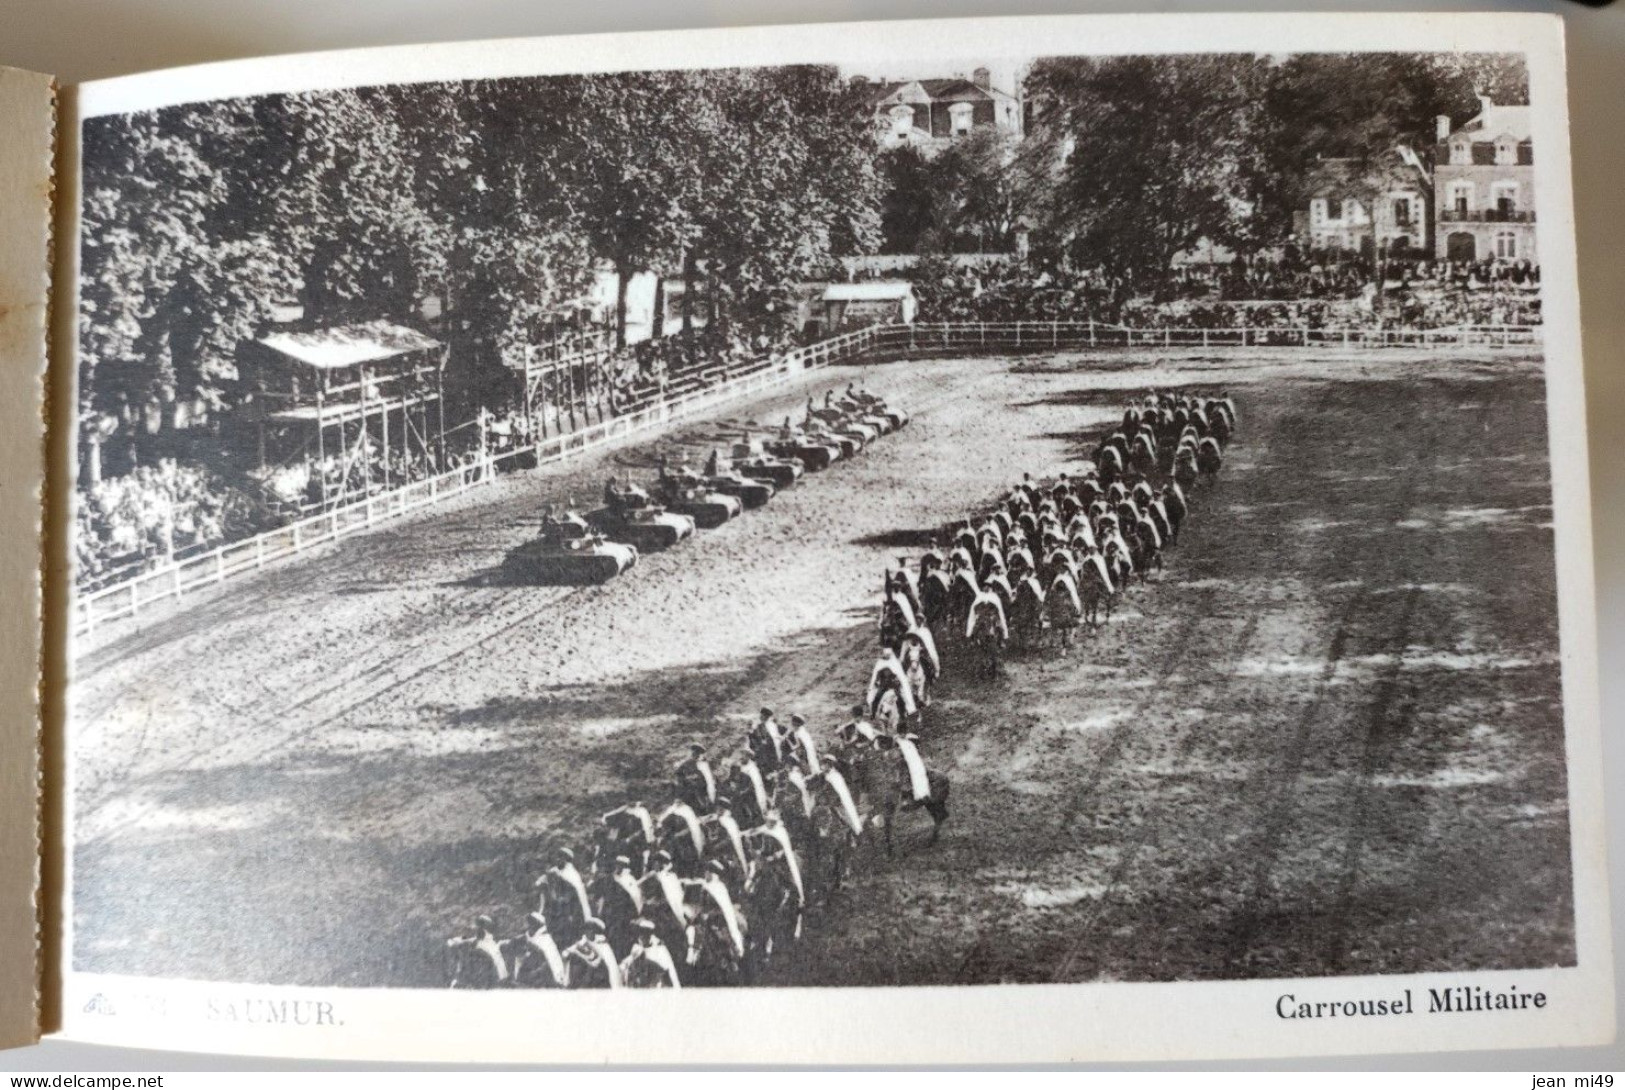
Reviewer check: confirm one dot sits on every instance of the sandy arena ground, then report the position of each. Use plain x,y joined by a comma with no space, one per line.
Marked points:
1328,739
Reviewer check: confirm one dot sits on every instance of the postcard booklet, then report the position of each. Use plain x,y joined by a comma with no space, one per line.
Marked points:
968,541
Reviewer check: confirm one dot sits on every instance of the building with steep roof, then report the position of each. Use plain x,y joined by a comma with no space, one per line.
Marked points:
930,114
1484,185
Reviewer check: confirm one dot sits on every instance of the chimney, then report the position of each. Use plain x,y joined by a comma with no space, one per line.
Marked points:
982,78
1441,129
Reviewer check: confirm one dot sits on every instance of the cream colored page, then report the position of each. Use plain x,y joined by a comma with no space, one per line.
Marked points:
1097,1019
27,122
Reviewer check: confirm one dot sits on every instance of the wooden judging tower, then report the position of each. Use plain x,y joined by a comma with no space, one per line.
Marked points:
361,404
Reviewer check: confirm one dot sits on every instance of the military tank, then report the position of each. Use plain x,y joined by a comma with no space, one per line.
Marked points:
686,494
875,408
567,551
630,516
796,446
849,441
723,475
752,459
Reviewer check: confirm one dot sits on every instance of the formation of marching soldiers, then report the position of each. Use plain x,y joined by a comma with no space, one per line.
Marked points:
710,887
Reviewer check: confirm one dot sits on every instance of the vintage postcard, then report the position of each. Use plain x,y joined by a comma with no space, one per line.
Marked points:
1000,540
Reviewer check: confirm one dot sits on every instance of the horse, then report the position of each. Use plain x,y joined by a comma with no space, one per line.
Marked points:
986,632
563,903
751,793
1063,609
679,835
715,939
1154,510
1143,455
1173,501
1119,562
1095,587
1027,613
1209,459
617,901
839,826
1185,470
921,666
997,584
962,592
890,699
665,905
905,584
887,784
1088,491
934,597
897,616
1110,464
774,897
627,831
1150,542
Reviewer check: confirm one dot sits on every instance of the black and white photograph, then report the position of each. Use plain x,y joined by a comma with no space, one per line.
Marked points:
1008,519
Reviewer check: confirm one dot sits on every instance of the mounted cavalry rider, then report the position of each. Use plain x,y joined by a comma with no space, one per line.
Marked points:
620,901
714,907
778,849
803,749
887,675
766,741
663,898
537,962
922,787
682,837
696,783
748,789
725,841
630,830
477,960
796,794
590,963
857,731
649,964
564,901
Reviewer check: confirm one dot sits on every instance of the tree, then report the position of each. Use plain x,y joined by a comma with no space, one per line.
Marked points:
173,275
1155,154
790,186
509,260
910,210
620,146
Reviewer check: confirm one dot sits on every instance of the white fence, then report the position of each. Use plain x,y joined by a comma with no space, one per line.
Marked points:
929,337
175,580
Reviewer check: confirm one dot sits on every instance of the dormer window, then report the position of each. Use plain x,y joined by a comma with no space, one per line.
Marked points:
1461,151
902,118
960,115
1506,151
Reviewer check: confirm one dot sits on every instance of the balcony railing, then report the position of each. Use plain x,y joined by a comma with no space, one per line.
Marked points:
1485,215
